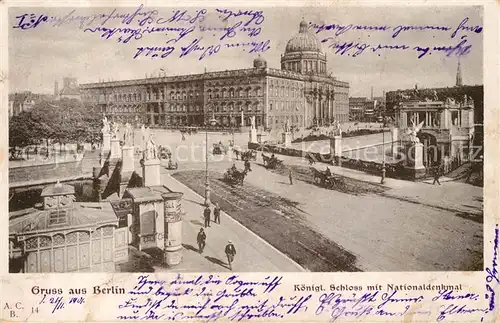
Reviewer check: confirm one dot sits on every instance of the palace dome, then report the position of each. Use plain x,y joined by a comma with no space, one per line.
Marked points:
303,41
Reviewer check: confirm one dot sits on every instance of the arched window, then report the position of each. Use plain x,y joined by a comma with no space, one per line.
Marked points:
209,94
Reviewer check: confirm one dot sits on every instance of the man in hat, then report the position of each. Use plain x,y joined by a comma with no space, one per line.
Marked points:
217,213
201,238
206,215
437,174
230,253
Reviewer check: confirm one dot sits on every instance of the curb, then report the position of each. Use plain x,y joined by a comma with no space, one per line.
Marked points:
299,268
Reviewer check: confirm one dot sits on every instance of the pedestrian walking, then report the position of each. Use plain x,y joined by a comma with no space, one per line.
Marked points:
230,253
437,174
290,176
206,215
201,239
217,213
247,165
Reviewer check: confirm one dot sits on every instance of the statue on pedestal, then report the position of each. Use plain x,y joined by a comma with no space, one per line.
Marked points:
337,130
151,151
413,130
252,121
128,136
287,125
105,128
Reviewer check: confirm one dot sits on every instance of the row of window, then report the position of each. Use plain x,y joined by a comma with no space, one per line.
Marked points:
285,106
306,66
277,91
285,91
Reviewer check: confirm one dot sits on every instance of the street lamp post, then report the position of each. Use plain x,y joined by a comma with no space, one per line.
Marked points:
212,122
383,157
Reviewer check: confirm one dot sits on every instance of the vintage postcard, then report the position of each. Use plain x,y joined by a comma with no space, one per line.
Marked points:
255,161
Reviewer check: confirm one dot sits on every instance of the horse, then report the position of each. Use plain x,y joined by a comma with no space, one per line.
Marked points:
235,176
310,159
240,176
266,159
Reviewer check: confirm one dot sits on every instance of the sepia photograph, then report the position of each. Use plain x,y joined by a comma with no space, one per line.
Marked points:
228,139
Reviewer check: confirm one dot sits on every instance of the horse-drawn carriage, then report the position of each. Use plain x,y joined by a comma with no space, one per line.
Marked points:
327,179
164,153
219,149
235,176
246,155
271,162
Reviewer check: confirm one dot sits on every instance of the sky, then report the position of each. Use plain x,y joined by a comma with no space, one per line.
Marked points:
39,56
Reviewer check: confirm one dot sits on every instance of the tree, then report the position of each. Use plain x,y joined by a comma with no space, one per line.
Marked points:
63,121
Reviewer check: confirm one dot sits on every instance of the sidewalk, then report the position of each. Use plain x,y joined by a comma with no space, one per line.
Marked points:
252,253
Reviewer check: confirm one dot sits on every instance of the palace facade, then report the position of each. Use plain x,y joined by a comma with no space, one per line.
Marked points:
301,91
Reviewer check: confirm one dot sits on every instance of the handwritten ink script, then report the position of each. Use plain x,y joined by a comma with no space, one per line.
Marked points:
333,36
208,32
492,277
181,33
209,298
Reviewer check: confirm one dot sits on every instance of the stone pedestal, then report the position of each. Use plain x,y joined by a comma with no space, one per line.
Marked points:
105,148
115,149
253,136
151,172
106,142
414,165
173,228
127,159
287,139
336,146
395,138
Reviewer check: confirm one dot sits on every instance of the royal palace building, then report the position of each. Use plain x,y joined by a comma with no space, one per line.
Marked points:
302,91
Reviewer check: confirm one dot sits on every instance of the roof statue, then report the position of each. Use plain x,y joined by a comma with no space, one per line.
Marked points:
450,101
413,130
105,128
435,96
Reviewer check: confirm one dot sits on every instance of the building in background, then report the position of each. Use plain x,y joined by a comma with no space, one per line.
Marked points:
70,89
447,129
301,92
22,102
366,110
357,108
456,93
